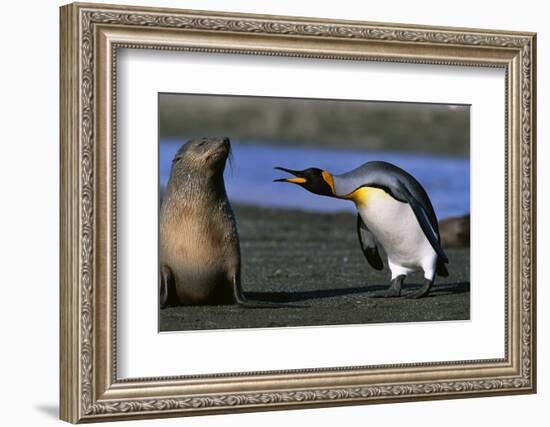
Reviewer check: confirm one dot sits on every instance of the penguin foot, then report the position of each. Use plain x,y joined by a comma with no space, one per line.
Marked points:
422,292
393,291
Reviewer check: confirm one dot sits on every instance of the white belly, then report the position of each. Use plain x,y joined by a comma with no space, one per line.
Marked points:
397,230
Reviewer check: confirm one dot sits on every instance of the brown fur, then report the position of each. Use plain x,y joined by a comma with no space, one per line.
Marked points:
199,243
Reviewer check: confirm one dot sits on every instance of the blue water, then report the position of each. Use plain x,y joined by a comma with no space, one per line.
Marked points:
249,179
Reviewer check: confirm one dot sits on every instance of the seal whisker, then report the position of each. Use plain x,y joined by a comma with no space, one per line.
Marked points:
230,160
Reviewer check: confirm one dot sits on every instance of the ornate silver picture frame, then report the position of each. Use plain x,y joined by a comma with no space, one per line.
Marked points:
91,36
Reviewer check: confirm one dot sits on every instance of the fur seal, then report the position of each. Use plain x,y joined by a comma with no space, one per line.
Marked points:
200,258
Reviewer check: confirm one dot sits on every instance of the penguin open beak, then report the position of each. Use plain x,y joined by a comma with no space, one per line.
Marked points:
299,178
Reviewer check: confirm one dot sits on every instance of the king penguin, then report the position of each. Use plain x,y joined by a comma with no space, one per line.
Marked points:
394,212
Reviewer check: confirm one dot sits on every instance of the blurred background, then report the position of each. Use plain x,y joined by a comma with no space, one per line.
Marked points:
430,141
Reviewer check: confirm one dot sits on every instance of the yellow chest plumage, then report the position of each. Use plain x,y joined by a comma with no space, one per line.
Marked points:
363,195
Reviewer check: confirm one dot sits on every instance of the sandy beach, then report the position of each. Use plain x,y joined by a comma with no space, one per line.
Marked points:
313,264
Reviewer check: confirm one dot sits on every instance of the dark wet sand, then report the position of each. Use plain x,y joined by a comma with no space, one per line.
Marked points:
314,263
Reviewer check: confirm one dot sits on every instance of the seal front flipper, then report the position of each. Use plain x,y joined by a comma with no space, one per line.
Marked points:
243,301
368,244
238,294
167,291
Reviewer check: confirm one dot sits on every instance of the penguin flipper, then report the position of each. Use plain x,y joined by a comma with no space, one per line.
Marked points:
368,244
429,229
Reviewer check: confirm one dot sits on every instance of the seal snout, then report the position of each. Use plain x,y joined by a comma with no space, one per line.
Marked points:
221,143
218,148
226,144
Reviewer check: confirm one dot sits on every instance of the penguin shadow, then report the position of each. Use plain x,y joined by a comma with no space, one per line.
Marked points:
439,290
302,296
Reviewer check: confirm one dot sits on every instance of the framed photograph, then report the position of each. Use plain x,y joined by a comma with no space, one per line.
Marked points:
266,212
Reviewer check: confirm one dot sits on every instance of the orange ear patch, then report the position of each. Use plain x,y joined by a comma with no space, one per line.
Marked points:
328,179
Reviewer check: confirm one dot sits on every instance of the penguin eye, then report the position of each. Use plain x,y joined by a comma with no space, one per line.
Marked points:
176,159
201,144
